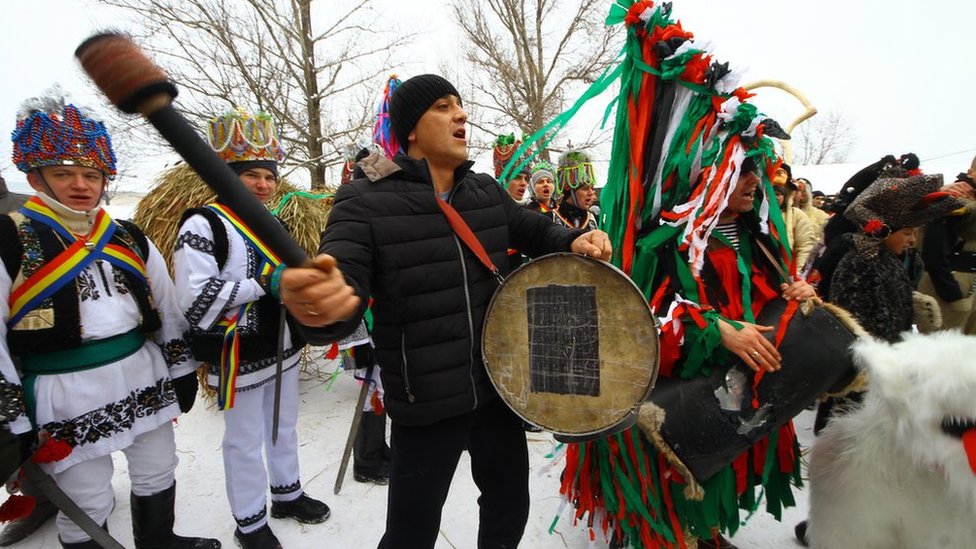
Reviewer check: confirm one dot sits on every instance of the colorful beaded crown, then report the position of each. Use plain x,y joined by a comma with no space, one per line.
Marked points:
239,136
50,133
575,171
503,149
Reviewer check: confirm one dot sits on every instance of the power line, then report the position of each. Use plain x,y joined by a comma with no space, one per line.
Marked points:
947,155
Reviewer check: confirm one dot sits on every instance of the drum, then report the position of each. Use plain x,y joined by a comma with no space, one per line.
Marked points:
571,346
711,420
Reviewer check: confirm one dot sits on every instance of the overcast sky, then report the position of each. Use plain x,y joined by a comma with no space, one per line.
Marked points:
901,72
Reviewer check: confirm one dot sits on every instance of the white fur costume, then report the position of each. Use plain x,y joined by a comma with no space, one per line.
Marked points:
895,473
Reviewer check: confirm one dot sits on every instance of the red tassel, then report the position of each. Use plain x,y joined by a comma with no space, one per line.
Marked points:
377,403
930,198
16,507
785,449
874,227
333,351
52,450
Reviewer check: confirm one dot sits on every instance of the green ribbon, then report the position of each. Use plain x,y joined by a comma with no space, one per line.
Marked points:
304,194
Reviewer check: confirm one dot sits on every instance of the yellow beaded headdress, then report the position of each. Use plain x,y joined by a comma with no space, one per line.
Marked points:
246,140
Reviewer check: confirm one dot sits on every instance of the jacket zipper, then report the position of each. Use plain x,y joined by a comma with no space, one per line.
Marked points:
406,376
467,302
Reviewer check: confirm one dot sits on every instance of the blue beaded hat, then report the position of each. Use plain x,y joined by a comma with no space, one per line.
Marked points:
51,133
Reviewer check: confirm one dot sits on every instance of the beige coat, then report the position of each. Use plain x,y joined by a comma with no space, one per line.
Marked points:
961,313
801,234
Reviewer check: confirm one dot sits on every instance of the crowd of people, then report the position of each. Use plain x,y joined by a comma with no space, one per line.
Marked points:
100,346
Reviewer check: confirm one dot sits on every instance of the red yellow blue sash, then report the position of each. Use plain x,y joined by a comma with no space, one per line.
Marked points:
252,239
230,351
78,254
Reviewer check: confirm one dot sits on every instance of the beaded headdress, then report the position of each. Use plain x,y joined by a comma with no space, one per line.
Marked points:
575,171
502,151
382,131
239,136
50,133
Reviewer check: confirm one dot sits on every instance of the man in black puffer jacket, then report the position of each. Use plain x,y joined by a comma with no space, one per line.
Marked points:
392,242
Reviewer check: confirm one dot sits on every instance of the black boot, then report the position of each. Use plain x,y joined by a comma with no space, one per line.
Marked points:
23,527
303,509
262,538
152,524
371,461
90,544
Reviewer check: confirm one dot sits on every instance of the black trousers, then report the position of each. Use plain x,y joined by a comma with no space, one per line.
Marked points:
423,465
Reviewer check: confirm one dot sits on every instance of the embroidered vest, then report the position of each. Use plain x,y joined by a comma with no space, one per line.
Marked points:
26,246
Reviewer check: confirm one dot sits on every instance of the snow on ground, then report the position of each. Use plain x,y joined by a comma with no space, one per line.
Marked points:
358,512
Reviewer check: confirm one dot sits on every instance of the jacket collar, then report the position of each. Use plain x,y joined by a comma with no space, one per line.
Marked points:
418,169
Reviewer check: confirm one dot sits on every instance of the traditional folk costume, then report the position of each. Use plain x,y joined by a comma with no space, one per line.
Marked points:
684,135
226,282
575,171
502,153
90,312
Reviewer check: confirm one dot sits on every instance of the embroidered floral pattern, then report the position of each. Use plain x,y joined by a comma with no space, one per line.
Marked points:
203,301
114,417
176,351
286,489
195,241
33,258
120,282
253,519
248,367
11,401
87,287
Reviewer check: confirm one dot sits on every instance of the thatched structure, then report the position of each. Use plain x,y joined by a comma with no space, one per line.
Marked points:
180,188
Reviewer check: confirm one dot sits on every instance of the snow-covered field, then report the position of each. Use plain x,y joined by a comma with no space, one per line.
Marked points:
359,510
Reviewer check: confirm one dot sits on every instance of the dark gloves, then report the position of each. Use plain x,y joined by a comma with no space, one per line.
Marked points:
186,391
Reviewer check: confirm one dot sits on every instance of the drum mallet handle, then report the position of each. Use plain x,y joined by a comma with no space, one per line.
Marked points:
134,84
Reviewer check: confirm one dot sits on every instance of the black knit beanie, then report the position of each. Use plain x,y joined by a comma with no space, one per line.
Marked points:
244,165
411,100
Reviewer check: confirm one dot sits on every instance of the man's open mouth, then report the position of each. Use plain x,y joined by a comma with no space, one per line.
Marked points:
460,134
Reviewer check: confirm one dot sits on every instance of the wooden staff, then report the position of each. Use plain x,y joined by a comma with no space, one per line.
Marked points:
134,84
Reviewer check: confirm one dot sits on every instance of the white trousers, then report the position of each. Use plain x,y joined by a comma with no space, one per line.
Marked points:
152,462
247,428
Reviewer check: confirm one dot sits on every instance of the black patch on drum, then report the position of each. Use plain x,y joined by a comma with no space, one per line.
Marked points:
564,340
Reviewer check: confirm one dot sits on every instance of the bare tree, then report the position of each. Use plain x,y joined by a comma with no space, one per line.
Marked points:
317,79
528,53
825,139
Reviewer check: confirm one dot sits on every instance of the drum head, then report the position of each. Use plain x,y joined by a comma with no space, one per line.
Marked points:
571,345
